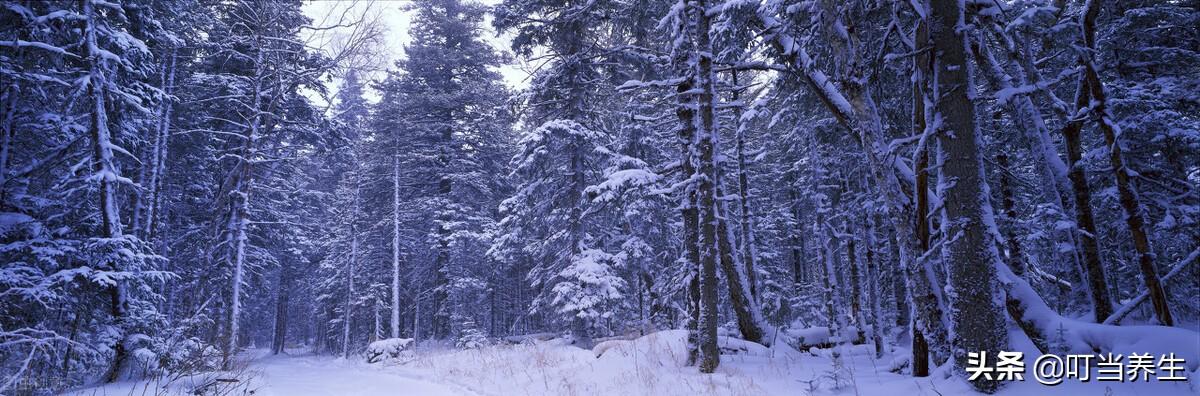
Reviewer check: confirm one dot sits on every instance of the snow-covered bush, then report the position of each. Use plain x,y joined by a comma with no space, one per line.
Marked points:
390,348
471,337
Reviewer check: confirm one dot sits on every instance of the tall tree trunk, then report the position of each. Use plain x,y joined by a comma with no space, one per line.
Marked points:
441,280
913,274
395,324
745,307
1094,274
283,287
969,252
9,100
873,287
747,248
685,114
161,143
920,347
1016,260
1127,192
711,236
239,212
856,312
107,176
348,311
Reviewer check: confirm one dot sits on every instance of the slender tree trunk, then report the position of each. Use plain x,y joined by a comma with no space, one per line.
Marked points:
873,280
239,212
796,235
969,253
107,176
1016,260
914,273
441,280
395,245
9,101
747,248
1127,192
1094,274
745,308
161,143
348,314
283,287
378,333
856,311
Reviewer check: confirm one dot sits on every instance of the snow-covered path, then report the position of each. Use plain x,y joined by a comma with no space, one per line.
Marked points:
317,376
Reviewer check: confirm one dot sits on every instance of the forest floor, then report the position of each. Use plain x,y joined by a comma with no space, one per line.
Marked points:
649,366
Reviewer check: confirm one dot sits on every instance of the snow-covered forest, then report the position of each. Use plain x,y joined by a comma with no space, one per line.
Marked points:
675,197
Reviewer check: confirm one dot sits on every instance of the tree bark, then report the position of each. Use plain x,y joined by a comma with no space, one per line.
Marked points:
747,248
395,323
1127,192
970,255
1094,272
685,114
283,287
1016,260
108,176
711,223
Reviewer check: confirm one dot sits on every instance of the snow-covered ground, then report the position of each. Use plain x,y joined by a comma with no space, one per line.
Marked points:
650,365
302,375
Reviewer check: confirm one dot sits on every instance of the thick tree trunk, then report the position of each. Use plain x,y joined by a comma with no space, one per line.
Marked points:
920,347
979,323
712,234
685,113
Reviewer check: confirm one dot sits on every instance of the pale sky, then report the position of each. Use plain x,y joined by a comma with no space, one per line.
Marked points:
398,23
